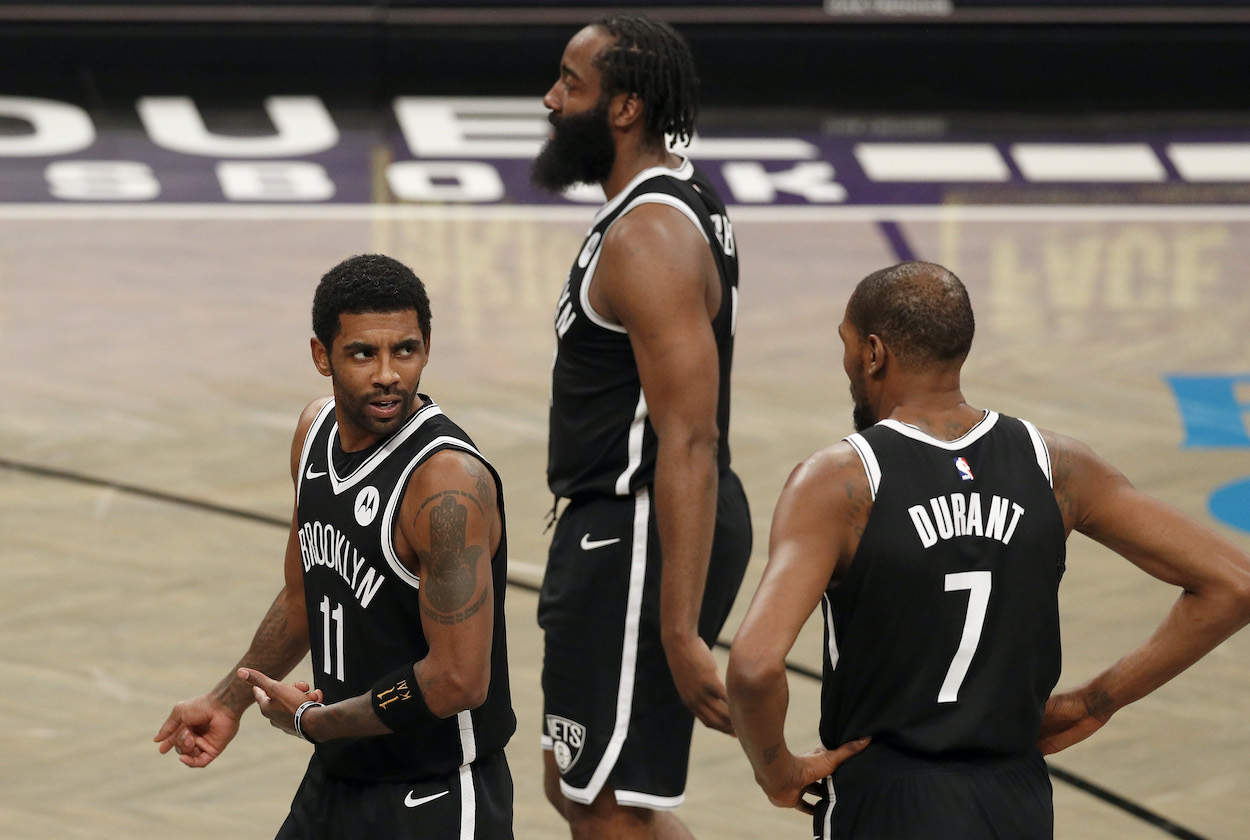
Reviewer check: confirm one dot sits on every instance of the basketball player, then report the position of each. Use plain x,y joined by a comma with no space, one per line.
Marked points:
934,540
651,548
395,572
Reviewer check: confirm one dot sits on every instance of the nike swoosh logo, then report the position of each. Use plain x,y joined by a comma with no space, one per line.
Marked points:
589,545
311,474
412,803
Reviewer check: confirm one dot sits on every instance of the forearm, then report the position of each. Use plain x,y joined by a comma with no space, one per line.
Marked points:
351,718
686,482
357,717
758,702
280,642
1193,627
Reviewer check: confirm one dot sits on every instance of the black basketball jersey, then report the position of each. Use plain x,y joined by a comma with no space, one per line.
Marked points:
601,440
944,635
364,621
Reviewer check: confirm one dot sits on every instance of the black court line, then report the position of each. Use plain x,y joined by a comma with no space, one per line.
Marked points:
1145,815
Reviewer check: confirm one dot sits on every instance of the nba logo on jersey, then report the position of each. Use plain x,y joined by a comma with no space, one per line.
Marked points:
567,739
965,471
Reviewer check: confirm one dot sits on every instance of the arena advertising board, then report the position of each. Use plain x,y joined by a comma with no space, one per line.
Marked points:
478,151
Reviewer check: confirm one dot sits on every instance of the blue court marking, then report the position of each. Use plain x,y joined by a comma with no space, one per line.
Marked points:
1231,504
1213,415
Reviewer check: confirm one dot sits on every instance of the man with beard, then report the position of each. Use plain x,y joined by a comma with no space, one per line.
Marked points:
934,540
395,572
652,546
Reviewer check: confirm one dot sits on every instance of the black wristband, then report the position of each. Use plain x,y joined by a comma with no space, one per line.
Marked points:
398,702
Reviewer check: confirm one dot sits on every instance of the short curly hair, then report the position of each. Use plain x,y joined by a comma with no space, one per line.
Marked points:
920,310
367,283
651,59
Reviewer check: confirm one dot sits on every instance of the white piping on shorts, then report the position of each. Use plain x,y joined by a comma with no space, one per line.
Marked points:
649,801
629,657
468,803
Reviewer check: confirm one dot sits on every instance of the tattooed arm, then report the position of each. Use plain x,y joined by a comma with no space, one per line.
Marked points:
816,528
452,525
199,728
1212,573
449,528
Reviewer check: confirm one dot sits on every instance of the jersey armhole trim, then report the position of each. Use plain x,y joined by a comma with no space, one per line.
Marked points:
1041,451
869,458
313,429
588,278
684,172
392,509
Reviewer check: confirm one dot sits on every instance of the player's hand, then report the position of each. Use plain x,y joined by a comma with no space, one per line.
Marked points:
1069,719
197,730
278,701
803,774
698,683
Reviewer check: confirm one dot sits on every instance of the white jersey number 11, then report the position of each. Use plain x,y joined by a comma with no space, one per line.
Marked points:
332,642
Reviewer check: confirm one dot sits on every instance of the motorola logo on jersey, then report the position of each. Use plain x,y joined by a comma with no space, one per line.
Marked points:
367,503
568,737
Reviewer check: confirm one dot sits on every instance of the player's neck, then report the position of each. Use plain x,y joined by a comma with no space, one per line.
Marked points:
944,416
931,400
632,160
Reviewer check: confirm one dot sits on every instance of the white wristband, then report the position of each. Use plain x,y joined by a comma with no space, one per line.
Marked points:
299,714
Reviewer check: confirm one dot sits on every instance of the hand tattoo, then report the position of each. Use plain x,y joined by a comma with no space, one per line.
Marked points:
450,570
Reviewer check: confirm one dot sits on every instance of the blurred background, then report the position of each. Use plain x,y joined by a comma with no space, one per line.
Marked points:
175,177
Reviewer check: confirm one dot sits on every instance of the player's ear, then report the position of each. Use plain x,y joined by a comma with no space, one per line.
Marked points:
320,356
874,352
625,110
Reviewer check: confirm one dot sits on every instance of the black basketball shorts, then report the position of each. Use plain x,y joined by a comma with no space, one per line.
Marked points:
471,803
887,794
612,714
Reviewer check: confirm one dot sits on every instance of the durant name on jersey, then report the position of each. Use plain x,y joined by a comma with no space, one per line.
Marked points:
960,515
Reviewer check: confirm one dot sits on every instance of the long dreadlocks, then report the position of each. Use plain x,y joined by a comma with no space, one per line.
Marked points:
650,59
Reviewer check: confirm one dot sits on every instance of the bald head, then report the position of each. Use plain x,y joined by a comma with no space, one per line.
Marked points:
920,310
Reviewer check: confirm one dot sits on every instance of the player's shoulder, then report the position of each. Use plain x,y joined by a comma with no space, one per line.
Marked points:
457,470
651,224
312,410
828,489
826,470
306,419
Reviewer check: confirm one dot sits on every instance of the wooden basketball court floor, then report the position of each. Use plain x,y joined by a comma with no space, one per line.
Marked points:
153,363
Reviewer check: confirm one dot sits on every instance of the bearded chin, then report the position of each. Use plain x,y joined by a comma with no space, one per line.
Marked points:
581,151
863,417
